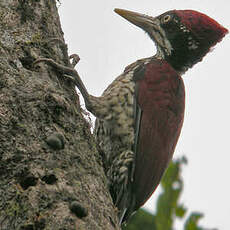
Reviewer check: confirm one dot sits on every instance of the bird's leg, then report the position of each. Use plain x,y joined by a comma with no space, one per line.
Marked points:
71,73
98,106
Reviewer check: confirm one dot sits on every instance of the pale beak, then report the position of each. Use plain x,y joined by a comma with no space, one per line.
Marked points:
140,20
151,25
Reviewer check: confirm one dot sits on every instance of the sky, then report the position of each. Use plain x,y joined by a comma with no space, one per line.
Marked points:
106,44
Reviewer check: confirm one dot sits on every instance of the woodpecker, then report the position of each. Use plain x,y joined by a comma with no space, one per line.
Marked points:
140,114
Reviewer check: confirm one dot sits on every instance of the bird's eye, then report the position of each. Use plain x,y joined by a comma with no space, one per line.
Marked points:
166,18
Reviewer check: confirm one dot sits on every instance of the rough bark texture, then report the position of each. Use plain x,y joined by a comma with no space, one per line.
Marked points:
51,175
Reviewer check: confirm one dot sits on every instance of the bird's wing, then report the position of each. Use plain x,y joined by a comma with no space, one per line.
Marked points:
159,108
138,74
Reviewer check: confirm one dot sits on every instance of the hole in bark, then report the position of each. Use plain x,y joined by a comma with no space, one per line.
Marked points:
78,209
40,224
56,141
28,181
49,179
27,62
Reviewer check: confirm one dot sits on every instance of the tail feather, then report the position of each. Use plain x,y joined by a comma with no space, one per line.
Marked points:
126,207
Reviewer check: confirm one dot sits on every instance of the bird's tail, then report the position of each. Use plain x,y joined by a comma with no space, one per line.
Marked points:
126,208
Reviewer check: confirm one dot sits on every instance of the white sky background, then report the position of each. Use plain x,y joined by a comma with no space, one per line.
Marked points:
106,44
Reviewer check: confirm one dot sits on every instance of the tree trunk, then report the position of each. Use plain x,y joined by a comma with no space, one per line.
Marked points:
51,174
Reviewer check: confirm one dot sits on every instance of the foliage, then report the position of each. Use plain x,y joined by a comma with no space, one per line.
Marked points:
168,205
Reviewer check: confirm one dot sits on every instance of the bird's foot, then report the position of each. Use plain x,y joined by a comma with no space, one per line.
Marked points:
64,69
75,59
69,72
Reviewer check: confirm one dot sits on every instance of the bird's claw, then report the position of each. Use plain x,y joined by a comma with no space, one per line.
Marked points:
75,59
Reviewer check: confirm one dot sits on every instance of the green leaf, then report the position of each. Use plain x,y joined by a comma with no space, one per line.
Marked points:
168,207
180,211
192,221
167,203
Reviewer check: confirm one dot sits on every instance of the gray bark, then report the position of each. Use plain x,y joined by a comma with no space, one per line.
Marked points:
51,173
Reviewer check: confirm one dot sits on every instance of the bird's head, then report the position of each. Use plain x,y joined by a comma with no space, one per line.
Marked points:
182,37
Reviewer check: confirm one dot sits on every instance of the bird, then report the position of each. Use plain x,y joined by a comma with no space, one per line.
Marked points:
140,114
